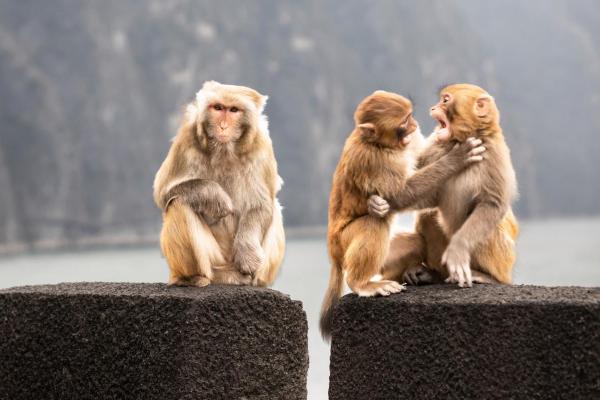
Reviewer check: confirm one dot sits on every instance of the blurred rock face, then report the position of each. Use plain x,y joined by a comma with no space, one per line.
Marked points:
91,95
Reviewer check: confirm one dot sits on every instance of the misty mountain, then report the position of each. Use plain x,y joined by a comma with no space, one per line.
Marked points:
92,93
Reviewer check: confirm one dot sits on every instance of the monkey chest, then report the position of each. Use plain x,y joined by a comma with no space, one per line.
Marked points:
458,196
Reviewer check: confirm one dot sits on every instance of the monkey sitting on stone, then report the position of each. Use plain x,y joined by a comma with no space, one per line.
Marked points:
379,158
217,190
470,236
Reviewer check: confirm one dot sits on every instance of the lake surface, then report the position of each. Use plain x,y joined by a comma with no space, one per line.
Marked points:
550,252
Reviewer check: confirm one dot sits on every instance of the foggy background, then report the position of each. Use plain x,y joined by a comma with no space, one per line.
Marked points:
91,93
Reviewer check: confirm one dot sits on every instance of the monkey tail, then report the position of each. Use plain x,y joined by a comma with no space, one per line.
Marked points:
332,297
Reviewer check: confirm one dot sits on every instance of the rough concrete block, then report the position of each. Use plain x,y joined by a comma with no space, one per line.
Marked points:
486,342
150,341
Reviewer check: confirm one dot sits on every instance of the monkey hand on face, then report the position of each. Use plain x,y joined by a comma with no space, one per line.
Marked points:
205,197
458,158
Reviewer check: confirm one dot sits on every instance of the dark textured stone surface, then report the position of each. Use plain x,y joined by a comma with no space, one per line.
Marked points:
487,342
149,341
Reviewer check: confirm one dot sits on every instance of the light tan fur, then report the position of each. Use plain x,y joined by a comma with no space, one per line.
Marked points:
217,188
377,159
473,227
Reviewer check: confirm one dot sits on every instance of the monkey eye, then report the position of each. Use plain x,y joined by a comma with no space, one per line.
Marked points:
218,107
234,109
445,98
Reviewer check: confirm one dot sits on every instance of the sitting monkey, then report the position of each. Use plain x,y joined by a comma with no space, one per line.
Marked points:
470,236
378,158
217,189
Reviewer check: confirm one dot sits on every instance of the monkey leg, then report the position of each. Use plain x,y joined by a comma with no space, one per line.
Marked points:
274,247
407,250
495,258
435,240
192,251
366,241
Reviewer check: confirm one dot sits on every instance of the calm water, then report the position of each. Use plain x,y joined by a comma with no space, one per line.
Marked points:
554,252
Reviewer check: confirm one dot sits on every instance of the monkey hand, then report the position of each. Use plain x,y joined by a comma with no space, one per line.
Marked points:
378,207
457,260
216,204
248,257
468,152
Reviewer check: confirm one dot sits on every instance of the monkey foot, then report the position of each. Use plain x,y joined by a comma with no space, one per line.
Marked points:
481,277
381,288
194,280
420,275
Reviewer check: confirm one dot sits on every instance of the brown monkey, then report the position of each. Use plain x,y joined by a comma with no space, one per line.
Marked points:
378,157
471,236
217,188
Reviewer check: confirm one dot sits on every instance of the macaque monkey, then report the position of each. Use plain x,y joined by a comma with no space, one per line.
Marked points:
217,189
378,158
471,235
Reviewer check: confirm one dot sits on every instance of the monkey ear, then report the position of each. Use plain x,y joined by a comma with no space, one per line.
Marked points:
367,130
483,104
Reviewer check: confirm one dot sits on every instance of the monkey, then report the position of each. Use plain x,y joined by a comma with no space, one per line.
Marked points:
469,236
217,189
378,158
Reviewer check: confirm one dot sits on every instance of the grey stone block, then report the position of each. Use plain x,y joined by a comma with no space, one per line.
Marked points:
486,342
150,341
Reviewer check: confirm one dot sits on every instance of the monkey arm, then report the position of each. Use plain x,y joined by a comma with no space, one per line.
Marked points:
254,223
248,254
421,189
205,197
479,226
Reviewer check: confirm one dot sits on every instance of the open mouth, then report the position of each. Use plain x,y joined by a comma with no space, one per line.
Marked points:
442,130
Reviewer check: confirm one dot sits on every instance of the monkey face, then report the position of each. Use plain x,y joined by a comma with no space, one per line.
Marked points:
225,122
227,113
463,110
439,113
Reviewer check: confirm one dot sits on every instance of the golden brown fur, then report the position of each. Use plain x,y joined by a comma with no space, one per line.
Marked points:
473,230
378,158
217,188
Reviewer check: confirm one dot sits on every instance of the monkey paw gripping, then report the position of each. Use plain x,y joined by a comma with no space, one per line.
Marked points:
248,258
216,209
418,275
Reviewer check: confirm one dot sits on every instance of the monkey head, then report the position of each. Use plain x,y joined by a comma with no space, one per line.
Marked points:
386,119
463,111
225,113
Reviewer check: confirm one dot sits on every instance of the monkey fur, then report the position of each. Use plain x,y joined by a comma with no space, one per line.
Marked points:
217,189
378,158
470,236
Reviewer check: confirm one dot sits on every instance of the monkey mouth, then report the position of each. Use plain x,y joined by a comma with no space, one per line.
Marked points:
442,130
